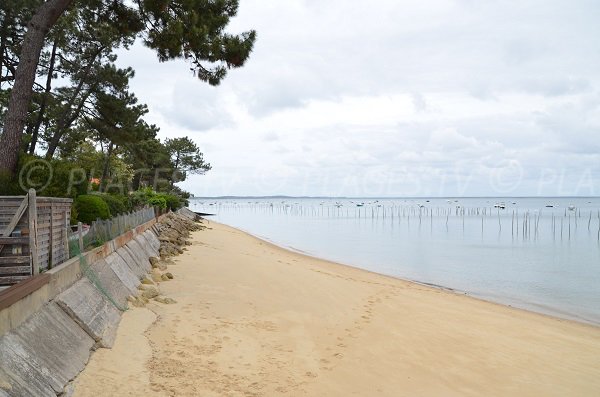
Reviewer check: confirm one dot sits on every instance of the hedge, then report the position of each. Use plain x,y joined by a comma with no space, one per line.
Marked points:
91,207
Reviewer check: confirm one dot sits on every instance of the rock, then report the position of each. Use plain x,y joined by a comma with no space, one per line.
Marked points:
169,275
156,275
154,260
164,277
139,302
165,300
157,278
150,292
147,281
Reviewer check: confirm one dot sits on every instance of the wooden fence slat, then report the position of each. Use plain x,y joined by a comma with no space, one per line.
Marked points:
16,270
35,265
14,260
4,280
14,240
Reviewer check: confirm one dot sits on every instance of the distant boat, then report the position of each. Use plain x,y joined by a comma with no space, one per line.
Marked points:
500,206
360,204
571,207
549,206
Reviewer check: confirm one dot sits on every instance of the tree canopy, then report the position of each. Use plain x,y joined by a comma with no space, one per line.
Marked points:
60,87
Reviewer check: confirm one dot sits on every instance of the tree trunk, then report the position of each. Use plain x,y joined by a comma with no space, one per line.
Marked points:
104,179
3,38
41,114
10,142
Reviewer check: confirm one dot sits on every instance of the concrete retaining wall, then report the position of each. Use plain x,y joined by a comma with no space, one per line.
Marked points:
46,337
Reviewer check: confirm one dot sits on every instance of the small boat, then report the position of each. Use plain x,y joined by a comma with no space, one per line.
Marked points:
549,206
500,206
571,207
360,204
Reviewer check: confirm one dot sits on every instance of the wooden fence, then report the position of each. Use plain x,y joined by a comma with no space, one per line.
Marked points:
33,235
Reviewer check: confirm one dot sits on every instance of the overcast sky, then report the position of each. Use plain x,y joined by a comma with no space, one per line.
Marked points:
394,98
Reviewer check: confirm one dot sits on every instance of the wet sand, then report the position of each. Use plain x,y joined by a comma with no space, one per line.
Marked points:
253,319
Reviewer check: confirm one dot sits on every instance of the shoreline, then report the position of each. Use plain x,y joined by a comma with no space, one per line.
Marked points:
528,307
255,319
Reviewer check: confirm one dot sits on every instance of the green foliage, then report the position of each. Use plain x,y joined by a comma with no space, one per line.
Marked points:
56,178
74,215
140,198
172,201
158,201
195,31
117,204
91,207
149,197
186,158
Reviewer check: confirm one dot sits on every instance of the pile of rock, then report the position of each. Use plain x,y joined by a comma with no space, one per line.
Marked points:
173,233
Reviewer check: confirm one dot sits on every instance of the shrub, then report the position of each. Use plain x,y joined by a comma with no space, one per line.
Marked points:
158,201
116,203
173,202
141,197
91,207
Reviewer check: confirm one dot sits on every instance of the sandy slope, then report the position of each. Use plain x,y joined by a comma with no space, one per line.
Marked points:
256,320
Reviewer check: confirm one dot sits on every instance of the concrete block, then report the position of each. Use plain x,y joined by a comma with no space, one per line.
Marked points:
44,353
145,244
140,254
127,277
151,244
138,260
12,385
138,270
110,282
89,308
153,239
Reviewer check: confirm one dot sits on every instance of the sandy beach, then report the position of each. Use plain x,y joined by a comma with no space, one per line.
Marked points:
253,319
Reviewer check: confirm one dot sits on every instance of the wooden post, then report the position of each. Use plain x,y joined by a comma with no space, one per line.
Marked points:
66,228
51,254
33,251
80,234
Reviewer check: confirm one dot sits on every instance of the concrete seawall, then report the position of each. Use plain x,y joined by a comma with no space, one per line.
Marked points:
49,329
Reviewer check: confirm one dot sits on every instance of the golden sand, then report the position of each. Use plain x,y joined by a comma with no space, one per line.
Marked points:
253,319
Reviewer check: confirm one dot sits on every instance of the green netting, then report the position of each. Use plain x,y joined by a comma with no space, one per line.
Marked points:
99,233
91,274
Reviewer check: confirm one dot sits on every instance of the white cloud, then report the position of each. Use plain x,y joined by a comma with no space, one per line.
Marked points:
394,98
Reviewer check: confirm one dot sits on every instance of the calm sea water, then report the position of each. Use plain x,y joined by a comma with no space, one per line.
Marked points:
541,254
